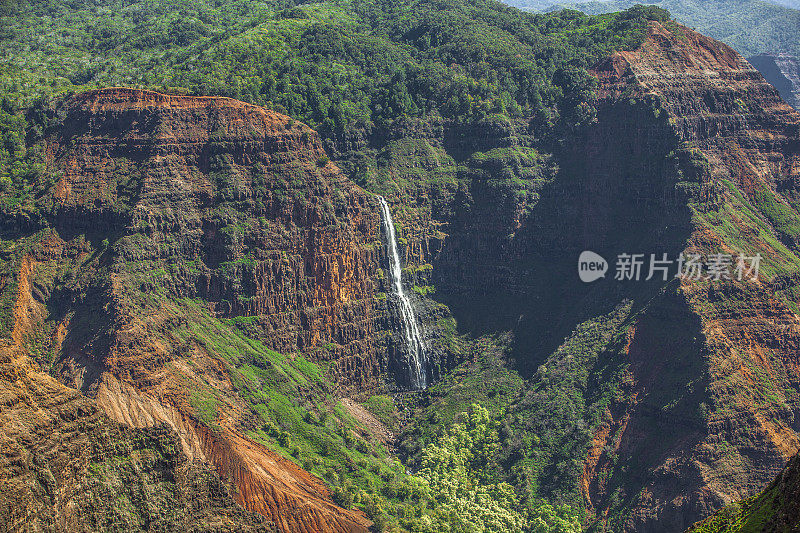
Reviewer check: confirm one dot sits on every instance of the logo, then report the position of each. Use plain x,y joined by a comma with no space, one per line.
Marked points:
591,267
690,266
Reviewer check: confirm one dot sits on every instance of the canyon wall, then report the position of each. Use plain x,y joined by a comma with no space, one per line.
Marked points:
774,509
737,368
65,466
652,404
199,263
782,71
182,242
241,202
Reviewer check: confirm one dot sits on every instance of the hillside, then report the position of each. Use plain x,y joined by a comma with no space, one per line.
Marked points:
65,466
752,27
774,509
783,72
126,282
210,263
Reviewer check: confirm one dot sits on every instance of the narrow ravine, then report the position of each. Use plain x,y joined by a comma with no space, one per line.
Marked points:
417,362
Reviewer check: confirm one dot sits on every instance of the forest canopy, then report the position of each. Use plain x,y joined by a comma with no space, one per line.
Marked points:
333,64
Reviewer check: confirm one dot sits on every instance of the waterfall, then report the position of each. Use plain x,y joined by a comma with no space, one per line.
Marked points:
416,348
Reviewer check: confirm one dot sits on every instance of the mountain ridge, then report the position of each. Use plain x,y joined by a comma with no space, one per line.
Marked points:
750,26
201,262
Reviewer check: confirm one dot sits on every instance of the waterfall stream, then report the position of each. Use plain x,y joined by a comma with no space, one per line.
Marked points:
415,346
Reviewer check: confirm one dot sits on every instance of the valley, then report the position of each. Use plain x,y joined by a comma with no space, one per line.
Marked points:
313,269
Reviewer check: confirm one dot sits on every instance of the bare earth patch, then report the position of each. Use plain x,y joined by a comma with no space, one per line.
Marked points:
368,422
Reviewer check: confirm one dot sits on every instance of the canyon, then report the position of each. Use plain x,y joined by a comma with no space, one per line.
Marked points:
691,400
139,167
783,72
200,292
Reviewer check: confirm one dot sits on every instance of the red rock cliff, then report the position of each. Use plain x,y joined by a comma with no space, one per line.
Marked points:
172,216
746,141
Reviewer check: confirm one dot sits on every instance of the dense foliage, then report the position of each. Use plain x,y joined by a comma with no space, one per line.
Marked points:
331,64
457,470
751,26
348,67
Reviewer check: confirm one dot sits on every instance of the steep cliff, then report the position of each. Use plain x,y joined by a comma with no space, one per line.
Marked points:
774,509
783,72
651,403
199,262
181,245
710,408
65,466
239,200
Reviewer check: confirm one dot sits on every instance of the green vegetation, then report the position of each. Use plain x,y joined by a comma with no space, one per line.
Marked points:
782,217
454,488
483,378
384,409
345,64
551,426
488,448
423,290
757,226
205,405
22,169
750,26
459,470
750,515
298,416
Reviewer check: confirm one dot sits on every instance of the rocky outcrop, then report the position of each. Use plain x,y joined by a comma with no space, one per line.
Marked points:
181,239
783,72
272,230
745,149
65,466
777,508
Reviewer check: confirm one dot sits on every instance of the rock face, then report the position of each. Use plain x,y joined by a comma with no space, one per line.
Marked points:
66,467
200,254
187,237
777,508
746,150
783,72
247,196
686,393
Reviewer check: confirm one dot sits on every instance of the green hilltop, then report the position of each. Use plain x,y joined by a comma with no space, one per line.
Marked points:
750,26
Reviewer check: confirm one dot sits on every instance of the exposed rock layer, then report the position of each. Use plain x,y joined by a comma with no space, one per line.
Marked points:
783,72
65,466
175,213
235,213
777,508
722,108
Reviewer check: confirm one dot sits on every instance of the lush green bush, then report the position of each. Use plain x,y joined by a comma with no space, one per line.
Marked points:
466,495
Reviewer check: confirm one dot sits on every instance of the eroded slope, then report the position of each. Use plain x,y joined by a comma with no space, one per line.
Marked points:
181,243
744,144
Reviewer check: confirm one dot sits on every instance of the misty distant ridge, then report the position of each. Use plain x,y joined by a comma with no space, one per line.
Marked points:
791,3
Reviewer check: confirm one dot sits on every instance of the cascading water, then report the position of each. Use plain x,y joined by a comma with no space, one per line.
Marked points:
416,348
